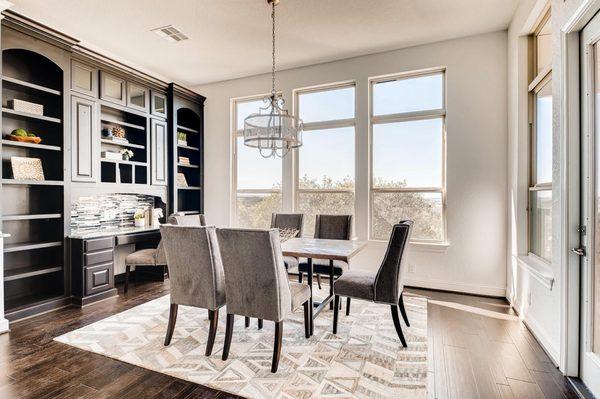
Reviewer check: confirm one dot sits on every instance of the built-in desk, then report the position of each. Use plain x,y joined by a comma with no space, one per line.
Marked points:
93,259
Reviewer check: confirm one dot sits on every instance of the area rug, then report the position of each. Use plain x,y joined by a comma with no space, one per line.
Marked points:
364,360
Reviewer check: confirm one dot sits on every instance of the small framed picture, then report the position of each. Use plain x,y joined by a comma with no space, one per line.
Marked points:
27,168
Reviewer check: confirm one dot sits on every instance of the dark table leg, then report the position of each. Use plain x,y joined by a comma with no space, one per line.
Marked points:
310,301
331,282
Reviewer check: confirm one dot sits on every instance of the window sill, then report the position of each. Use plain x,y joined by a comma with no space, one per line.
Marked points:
538,268
439,247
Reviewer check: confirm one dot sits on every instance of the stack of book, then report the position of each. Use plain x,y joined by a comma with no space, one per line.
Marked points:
111,155
121,140
184,160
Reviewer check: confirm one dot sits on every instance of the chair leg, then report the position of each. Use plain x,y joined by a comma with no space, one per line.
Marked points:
228,335
260,324
277,346
348,306
306,320
319,281
246,322
403,311
336,311
212,332
167,270
300,275
127,272
397,324
171,326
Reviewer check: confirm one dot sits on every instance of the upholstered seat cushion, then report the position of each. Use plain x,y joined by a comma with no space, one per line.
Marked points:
291,263
142,257
356,285
321,266
300,294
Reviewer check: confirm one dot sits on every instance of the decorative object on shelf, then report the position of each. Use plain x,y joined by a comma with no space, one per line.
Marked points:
139,218
181,180
107,133
118,132
26,106
23,136
127,154
156,213
112,155
184,160
27,168
273,130
181,138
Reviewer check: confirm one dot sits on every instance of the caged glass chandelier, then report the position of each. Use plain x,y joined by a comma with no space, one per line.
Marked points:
273,130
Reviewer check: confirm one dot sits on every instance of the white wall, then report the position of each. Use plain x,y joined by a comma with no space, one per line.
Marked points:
475,260
528,290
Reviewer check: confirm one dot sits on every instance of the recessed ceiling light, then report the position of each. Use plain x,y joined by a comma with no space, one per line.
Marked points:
170,33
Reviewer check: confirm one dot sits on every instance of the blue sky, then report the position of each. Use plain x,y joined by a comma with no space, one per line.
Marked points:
410,151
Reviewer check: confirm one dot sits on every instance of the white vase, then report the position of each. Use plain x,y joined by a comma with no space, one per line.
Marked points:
139,222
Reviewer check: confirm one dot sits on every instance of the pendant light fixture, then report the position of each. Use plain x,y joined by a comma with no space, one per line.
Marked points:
272,129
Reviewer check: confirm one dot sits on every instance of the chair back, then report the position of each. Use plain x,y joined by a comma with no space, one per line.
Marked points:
195,267
293,221
180,219
389,281
333,227
256,281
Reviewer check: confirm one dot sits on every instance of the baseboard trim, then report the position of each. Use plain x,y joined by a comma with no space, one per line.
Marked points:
4,326
539,334
464,288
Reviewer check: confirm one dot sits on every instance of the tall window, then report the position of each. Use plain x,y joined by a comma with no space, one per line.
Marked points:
325,172
540,160
257,180
408,154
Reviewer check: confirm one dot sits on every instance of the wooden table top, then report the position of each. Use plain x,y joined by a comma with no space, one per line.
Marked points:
318,248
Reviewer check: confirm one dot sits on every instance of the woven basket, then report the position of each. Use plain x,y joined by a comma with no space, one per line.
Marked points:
26,106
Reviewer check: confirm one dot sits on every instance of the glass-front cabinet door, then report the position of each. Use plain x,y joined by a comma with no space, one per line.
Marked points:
137,97
112,88
159,104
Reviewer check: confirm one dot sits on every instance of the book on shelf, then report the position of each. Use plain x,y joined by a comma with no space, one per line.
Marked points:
181,180
121,140
184,160
111,155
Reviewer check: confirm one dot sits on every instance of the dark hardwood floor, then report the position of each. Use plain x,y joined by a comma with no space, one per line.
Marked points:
478,349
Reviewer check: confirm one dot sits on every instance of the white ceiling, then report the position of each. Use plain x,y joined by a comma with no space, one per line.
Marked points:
232,38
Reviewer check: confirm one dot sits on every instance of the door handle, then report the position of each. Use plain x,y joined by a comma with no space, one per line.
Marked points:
578,251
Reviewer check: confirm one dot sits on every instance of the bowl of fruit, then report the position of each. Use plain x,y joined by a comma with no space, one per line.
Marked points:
24,136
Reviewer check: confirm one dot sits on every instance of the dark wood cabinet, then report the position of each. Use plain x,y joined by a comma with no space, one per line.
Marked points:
113,88
99,278
84,78
84,140
92,271
158,146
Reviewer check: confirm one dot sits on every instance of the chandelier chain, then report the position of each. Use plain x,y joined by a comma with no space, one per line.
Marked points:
273,52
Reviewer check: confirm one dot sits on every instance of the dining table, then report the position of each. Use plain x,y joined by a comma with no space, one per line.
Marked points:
319,248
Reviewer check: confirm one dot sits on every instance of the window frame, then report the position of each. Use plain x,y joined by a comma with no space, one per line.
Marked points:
235,133
323,125
404,117
537,83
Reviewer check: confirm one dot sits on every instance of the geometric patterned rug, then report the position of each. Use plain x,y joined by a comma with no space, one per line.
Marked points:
364,360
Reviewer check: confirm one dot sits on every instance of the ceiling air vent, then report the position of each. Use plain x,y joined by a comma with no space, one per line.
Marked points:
170,33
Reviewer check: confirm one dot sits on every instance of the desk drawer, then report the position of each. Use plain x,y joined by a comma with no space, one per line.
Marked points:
99,278
99,243
98,257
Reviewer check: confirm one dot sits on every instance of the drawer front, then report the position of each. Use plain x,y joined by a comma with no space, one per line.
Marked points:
99,243
99,257
99,278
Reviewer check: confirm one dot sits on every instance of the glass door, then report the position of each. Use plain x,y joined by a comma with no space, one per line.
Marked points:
590,271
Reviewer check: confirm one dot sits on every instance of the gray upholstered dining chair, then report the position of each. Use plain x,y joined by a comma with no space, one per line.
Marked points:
384,287
196,276
332,227
289,221
156,256
256,283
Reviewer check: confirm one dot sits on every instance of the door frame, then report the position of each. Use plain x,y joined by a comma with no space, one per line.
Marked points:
570,160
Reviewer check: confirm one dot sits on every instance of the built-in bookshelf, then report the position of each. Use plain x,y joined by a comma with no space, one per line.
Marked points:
33,210
137,138
186,121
